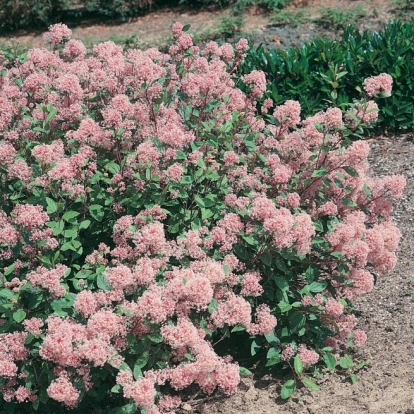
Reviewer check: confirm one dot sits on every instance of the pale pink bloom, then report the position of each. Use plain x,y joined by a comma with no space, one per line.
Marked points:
227,52
7,153
334,308
333,118
185,41
308,356
328,209
49,279
263,208
177,29
96,350
20,170
35,82
169,403
12,346
363,283
227,377
360,337
75,49
119,277
250,284
141,391
33,325
306,301
230,158
106,322
288,114
367,113
9,235
62,390
378,85
257,79
242,45
293,200
265,322
57,33
85,303
232,310
24,394
49,154
346,324
7,368
288,352
175,172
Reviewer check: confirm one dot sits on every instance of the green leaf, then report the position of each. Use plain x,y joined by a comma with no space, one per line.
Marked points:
255,347
288,388
351,171
69,215
96,212
125,409
186,28
116,389
244,372
266,258
310,384
10,269
199,201
298,365
330,361
213,306
317,287
272,339
6,294
273,357
137,372
103,283
354,378
142,361
51,206
241,252
84,224
284,306
19,315
319,173
346,362
349,202
367,191
238,328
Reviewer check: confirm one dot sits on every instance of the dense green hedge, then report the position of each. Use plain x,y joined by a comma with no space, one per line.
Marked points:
325,71
15,14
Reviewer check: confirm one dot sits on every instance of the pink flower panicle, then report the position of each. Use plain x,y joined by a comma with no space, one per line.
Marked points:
378,85
57,33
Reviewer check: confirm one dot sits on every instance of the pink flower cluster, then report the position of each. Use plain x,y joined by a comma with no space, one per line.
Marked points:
378,85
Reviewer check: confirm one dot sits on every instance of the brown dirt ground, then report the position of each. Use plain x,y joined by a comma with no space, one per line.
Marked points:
386,383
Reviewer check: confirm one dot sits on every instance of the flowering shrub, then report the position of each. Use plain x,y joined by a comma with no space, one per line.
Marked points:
147,210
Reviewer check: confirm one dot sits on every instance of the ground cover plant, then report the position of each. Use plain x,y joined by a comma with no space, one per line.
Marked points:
148,211
326,71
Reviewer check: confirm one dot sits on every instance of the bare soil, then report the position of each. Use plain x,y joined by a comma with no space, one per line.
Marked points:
386,383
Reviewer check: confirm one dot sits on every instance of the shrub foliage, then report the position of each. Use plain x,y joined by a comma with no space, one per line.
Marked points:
325,71
148,211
